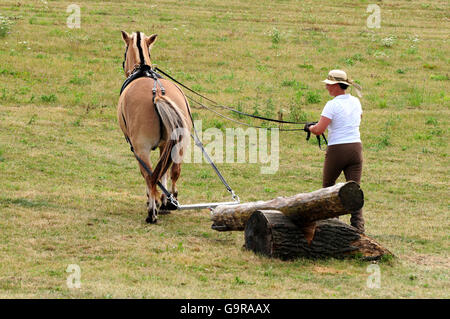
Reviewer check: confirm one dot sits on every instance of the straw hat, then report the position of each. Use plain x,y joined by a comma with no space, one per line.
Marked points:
339,76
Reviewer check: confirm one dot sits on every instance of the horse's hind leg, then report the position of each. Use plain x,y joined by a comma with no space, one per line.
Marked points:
163,209
152,209
174,175
175,172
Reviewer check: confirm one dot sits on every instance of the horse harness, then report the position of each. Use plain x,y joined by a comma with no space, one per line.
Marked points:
144,70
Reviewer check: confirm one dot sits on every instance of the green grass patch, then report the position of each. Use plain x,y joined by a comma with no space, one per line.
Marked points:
49,98
439,77
313,97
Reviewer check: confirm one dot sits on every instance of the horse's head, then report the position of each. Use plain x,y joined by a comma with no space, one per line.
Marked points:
137,50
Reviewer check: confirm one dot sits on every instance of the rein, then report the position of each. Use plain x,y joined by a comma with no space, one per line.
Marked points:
227,107
306,129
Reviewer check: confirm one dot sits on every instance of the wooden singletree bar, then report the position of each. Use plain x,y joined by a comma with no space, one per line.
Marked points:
302,209
272,234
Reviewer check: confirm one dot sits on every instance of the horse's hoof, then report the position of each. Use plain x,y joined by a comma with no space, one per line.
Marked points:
151,220
163,209
168,206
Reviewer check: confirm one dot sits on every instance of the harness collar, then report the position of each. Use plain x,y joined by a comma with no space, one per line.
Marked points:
140,71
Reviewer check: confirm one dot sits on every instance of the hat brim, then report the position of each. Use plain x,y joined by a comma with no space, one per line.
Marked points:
329,81
334,82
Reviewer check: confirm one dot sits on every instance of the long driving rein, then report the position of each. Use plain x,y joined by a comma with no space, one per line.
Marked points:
306,124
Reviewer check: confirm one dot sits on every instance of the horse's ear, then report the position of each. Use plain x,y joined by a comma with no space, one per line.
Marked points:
125,37
151,40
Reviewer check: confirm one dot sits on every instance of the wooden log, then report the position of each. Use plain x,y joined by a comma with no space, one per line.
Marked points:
303,208
272,234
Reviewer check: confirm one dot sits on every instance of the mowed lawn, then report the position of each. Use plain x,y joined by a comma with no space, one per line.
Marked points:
71,192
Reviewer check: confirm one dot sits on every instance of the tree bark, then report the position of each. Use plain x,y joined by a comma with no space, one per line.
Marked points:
302,209
273,234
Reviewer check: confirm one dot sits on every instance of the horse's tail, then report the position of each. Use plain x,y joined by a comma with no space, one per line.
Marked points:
174,124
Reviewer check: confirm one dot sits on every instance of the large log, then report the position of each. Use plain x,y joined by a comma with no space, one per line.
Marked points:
272,234
303,208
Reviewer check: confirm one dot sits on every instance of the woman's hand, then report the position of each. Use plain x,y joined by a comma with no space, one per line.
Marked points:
320,127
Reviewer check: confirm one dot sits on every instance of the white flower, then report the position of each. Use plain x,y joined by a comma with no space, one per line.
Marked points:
388,42
414,38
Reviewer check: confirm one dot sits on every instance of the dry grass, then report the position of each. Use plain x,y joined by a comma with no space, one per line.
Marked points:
71,192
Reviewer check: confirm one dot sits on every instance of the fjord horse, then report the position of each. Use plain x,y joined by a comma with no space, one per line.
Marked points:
150,120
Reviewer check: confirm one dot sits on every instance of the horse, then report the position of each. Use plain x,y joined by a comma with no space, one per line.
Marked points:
153,113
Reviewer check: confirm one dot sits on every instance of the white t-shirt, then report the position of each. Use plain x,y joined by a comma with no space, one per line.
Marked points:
344,111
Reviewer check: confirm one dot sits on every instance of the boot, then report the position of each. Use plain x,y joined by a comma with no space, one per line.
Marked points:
357,221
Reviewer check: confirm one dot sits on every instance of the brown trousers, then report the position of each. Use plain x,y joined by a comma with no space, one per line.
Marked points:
347,158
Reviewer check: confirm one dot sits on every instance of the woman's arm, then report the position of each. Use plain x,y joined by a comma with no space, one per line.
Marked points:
320,127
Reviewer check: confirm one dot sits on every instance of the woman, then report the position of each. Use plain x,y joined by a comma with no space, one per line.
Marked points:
342,116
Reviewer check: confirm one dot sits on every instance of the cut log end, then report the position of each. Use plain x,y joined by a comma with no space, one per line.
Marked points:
351,196
258,235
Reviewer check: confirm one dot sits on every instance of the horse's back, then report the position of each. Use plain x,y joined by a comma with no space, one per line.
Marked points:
137,114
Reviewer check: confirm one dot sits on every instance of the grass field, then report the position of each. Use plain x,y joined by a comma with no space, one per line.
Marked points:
71,193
